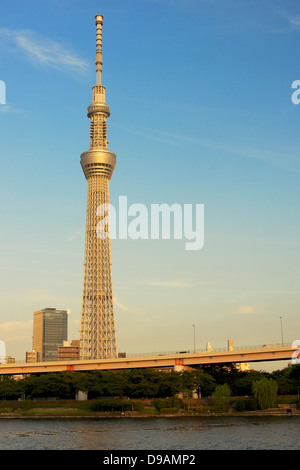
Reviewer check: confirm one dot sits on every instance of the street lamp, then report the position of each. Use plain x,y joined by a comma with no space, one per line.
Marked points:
194,338
281,331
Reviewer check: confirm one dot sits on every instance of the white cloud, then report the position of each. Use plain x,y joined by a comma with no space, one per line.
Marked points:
43,51
15,331
39,295
248,310
13,326
245,310
16,336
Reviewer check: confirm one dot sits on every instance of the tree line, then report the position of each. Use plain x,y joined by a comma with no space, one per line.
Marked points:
147,383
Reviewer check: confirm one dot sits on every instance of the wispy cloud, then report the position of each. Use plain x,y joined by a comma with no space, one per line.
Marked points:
74,236
5,108
44,51
46,298
166,283
121,306
294,21
264,155
231,16
149,135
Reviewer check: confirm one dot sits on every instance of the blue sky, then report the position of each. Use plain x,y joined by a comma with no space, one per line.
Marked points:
201,113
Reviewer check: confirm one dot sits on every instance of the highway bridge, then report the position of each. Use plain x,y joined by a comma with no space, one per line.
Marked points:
175,360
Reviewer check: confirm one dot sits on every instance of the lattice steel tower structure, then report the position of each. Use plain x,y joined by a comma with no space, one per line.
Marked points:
97,324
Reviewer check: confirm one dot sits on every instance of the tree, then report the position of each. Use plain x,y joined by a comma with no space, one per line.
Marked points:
221,395
243,385
294,373
265,392
224,373
10,389
203,383
53,384
91,382
142,383
169,384
185,383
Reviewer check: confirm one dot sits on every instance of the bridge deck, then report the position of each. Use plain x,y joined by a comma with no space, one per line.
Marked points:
171,360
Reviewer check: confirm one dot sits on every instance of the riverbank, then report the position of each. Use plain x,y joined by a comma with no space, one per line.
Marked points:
62,414
140,408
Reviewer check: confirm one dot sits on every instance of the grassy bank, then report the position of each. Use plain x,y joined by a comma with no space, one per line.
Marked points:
142,407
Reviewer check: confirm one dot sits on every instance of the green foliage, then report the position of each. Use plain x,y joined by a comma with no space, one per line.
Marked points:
265,392
294,373
138,406
240,405
169,384
145,383
288,380
203,383
6,410
164,411
221,396
111,405
174,402
170,405
223,373
60,384
291,400
10,389
159,404
251,404
141,383
26,405
244,381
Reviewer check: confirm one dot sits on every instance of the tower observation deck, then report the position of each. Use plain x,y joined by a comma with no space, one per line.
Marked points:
97,323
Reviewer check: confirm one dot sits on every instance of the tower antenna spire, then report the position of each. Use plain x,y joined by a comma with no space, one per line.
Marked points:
99,23
97,324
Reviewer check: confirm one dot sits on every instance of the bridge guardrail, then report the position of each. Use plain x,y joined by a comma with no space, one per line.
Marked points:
182,351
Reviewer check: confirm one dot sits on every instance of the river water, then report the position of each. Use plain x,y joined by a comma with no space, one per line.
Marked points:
185,433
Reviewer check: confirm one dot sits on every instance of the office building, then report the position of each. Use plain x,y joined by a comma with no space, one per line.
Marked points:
50,330
69,351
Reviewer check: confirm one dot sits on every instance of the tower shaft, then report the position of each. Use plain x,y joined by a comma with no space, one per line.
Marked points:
97,325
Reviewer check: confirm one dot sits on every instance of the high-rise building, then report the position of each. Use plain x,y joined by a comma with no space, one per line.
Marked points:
50,330
97,324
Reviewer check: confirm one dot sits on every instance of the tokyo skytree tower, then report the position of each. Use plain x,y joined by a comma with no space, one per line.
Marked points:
97,324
